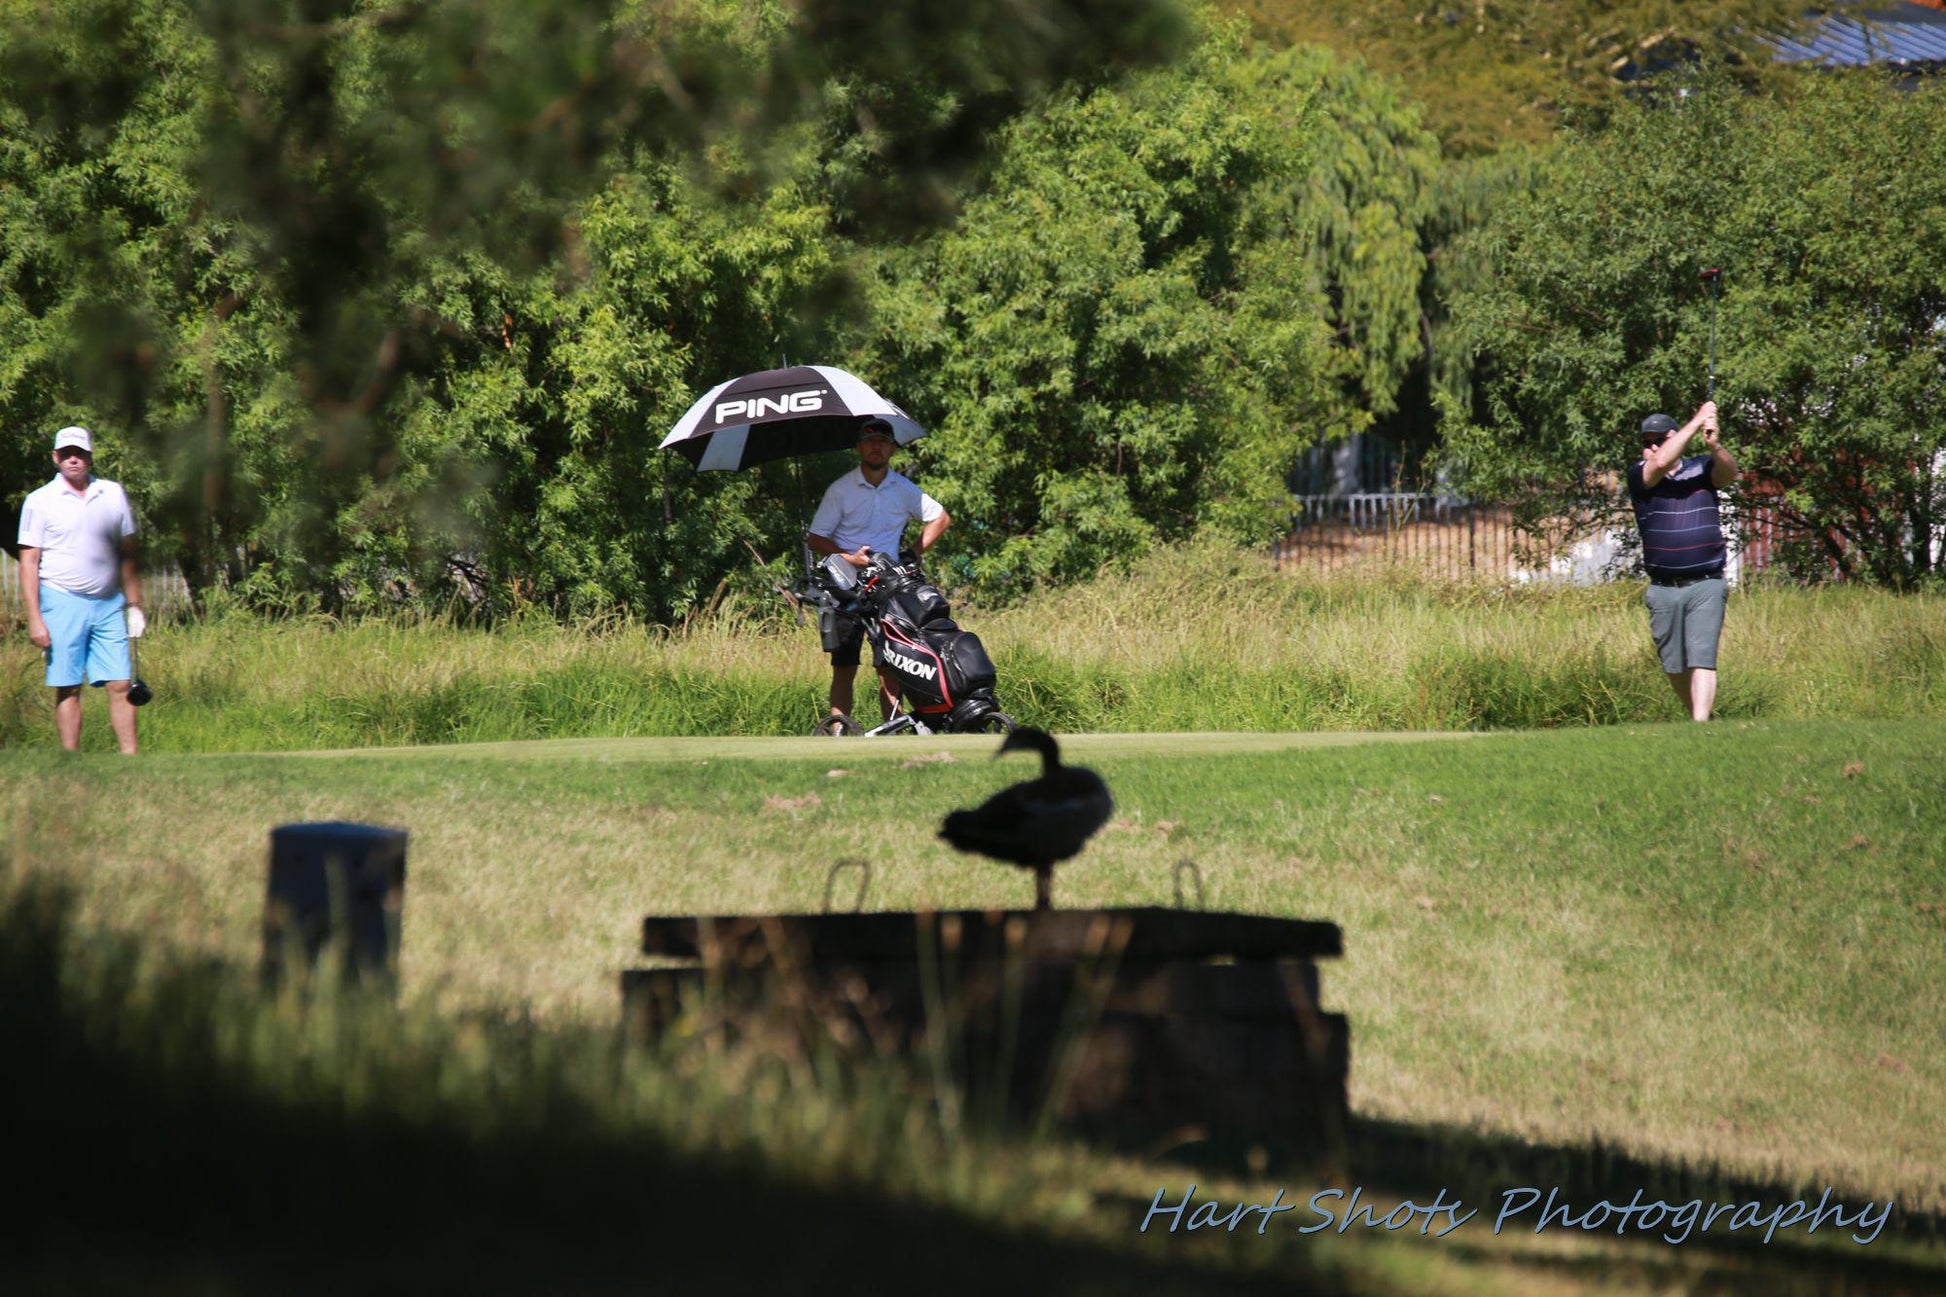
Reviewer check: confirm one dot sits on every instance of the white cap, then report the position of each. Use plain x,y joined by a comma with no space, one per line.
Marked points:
72,436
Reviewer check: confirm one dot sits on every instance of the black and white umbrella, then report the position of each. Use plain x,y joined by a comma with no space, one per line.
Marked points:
781,413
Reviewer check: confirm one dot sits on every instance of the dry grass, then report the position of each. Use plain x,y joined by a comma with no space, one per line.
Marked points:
1824,651
1200,639
1548,937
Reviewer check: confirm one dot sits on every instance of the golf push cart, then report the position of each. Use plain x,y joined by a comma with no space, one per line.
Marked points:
942,674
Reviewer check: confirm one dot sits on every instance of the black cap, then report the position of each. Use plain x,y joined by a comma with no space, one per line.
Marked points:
875,427
1658,426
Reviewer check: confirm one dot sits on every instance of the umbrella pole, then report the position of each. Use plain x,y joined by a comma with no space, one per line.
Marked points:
797,466
803,523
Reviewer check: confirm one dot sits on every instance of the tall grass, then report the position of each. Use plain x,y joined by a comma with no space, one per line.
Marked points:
1193,640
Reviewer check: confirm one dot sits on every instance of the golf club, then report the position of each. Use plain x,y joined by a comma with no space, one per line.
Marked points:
1710,277
139,692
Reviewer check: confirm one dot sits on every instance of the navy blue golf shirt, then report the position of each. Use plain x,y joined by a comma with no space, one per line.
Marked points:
1682,534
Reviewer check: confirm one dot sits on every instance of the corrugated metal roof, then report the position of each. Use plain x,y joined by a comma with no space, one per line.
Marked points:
1910,34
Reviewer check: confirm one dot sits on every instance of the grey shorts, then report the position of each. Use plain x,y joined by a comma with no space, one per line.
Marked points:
1685,622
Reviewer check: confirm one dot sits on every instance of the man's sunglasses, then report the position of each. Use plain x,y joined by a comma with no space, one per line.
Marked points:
72,452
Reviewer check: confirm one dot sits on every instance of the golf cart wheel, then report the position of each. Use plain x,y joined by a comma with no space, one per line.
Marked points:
836,727
994,723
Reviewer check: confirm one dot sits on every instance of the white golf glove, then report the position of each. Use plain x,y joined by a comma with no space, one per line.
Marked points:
137,622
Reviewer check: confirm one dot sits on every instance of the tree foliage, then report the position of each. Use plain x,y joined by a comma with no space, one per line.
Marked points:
1822,210
1505,73
327,272
1122,340
1366,195
364,308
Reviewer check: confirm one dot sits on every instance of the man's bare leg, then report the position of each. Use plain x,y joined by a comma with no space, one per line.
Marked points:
842,682
67,715
1702,692
1679,681
888,695
121,716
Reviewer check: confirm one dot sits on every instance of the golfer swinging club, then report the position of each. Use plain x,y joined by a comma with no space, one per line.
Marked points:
1675,502
862,513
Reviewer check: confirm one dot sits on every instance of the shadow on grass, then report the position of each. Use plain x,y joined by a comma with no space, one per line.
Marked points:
1420,1158
1397,1161
148,1167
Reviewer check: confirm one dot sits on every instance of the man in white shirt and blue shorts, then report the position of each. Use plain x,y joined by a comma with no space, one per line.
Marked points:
863,513
79,581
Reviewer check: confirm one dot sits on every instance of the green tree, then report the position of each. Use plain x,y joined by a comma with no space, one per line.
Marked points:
1122,340
293,253
1365,195
680,292
1822,209
1491,75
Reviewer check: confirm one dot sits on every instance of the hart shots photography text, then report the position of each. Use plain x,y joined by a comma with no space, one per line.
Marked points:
1339,1210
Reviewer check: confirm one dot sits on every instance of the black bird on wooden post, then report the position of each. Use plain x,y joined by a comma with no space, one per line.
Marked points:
1037,823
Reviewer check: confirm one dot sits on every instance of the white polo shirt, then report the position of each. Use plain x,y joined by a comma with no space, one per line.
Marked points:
854,512
79,536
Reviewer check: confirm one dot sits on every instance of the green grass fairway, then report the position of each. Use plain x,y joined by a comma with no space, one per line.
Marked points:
1716,943
1684,959
1078,747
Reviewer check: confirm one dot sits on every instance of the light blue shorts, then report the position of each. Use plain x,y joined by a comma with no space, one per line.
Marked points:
89,634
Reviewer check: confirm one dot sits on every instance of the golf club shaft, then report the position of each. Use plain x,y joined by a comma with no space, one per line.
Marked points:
1712,340
138,693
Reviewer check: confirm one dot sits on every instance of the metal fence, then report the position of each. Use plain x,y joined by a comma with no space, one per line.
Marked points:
1444,536
1441,534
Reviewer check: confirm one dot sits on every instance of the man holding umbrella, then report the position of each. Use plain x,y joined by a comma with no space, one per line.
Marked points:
862,513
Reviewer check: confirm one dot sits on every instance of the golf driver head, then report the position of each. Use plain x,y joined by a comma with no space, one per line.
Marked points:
139,692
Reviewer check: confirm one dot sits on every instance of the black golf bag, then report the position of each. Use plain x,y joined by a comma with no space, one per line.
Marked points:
943,672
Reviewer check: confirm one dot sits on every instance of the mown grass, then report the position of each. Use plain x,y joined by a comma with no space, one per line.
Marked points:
1713,947
1197,640
187,1134
1637,955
